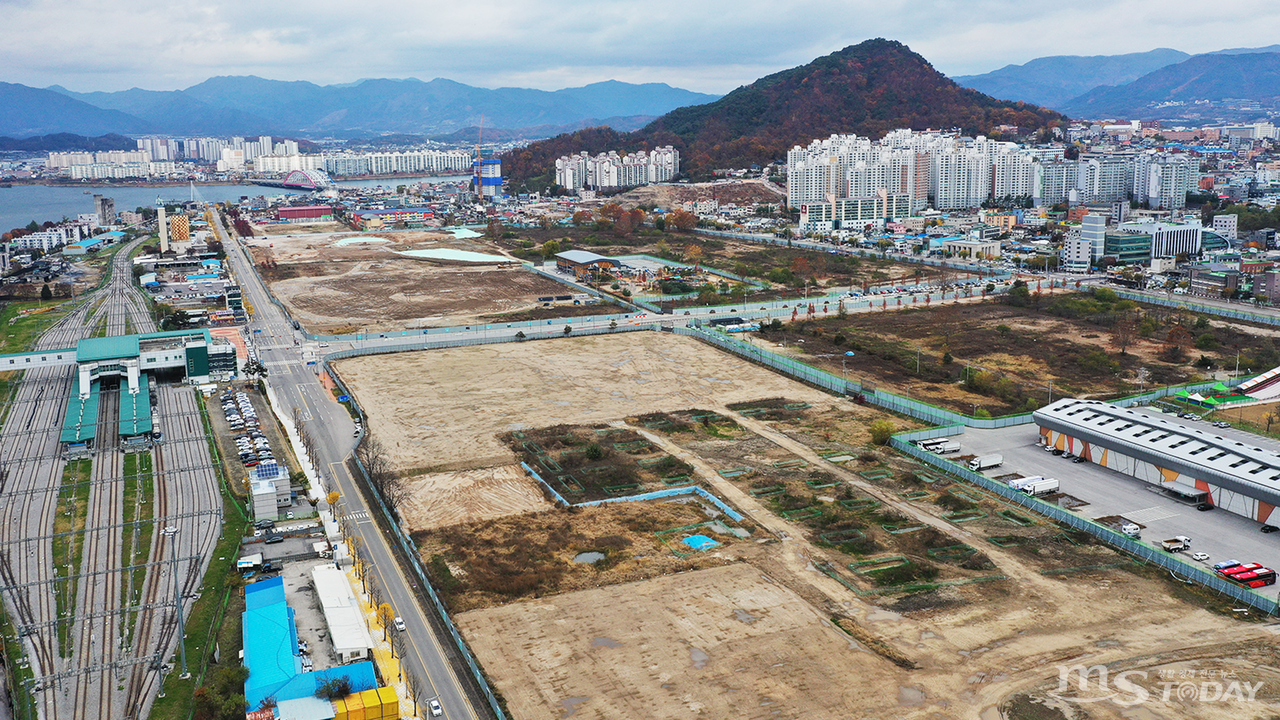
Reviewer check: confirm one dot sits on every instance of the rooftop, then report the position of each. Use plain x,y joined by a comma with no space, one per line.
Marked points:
1235,465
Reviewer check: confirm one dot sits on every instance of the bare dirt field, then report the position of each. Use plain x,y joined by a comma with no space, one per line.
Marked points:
443,409
442,499
718,643
739,192
344,282
400,293
783,622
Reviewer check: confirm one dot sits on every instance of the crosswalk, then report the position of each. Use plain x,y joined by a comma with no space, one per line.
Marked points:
361,515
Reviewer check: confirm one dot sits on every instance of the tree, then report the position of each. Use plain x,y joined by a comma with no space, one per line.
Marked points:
494,229
550,248
683,220
46,293
332,498
255,369
1124,332
582,217
382,476
1272,416
568,329
881,431
386,615
693,253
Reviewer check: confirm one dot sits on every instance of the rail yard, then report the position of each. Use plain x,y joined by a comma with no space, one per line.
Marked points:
90,541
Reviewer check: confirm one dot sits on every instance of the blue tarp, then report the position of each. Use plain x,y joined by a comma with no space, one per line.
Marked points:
699,542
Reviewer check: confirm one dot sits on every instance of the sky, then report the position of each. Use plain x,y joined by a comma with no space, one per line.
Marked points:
710,46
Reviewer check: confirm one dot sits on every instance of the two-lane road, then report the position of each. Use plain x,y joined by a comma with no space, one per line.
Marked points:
281,349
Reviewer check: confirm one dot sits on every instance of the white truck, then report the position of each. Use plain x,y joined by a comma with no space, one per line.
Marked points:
932,443
986,462
949,446
1177,543
1019,483
1043,486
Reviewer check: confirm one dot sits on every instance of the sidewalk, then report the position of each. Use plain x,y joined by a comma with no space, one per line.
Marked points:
388,666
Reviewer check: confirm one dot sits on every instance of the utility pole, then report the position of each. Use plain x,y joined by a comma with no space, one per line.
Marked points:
171,532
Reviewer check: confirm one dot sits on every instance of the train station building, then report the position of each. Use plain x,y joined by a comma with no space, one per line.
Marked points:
132,361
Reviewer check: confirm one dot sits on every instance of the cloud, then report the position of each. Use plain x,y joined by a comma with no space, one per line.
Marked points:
712,46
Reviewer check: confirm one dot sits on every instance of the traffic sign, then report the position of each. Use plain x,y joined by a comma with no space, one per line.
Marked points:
343,398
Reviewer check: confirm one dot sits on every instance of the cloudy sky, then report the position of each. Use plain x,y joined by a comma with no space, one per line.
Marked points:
706,45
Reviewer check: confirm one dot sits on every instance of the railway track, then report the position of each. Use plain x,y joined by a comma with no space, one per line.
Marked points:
88,661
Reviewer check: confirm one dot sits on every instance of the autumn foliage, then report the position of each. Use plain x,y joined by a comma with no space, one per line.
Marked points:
869,89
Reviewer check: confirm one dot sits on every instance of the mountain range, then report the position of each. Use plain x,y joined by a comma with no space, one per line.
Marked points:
1249,76
248,105
1128,84
869,88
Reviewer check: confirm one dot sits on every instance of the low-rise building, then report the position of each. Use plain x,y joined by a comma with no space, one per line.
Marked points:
968,247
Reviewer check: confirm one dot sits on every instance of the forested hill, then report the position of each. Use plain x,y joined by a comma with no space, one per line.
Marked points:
869,89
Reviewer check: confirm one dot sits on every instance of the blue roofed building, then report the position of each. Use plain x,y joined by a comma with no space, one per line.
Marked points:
271,654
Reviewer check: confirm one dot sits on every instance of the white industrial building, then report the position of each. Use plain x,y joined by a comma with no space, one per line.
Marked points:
342,615
1189,462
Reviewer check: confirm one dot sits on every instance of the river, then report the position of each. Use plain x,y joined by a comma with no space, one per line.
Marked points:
21,204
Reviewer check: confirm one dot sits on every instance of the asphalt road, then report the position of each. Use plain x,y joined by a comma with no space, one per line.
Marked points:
1221,534
283,351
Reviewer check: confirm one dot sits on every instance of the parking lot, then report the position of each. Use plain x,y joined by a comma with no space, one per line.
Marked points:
1221,534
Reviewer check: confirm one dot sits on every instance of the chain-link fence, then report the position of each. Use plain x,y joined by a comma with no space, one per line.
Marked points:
1197,307
1173,563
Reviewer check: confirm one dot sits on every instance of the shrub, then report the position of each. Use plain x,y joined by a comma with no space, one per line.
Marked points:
1206,341
881,431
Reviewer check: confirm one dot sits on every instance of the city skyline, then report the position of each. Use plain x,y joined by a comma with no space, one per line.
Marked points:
546,45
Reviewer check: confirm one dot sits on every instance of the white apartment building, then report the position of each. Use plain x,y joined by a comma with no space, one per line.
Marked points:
287,163
1227,226
387,163
1163,181
45,240
1093,230
1102,178
611,170
1077,255
960,179
853,213
1054,181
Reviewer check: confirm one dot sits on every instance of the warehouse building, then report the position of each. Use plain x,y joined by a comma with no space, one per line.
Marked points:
581,262
1192,463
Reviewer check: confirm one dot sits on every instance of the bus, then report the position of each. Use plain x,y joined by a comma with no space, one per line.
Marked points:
1252,575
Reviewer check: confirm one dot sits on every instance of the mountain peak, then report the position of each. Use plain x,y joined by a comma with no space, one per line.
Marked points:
869,88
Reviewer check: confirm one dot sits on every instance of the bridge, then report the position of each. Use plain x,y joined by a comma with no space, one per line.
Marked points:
300,180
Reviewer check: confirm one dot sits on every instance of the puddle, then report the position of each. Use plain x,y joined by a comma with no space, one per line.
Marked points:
588,557
605,642
879,615
570,705
910,696
744,616
699,658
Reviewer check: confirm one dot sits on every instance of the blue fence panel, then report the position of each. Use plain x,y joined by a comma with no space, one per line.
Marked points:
673,492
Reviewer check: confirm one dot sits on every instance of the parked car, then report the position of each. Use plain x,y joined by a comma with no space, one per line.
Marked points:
1269,528
436,710
275,539
1068,455
399,623
1204,507
1200,556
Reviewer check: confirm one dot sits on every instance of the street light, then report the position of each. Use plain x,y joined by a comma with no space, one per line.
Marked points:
171,532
